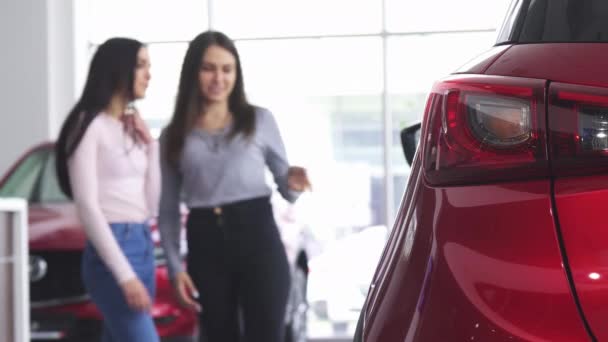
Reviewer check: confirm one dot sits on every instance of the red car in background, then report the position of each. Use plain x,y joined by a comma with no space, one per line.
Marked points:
60,306
501,234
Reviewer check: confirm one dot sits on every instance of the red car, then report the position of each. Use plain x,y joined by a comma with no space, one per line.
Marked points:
60,307
501,235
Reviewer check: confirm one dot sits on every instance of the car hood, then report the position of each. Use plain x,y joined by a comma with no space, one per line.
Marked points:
55,227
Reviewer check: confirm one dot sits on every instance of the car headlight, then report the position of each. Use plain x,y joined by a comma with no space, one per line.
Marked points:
38,268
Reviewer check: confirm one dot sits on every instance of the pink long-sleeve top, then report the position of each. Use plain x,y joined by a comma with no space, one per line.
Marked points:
113,179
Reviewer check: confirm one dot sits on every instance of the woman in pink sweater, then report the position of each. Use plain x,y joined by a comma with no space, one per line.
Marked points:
108,163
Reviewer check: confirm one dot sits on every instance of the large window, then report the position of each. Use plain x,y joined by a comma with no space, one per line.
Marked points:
281,18
166,60
150,21
342,77
325,94
444,15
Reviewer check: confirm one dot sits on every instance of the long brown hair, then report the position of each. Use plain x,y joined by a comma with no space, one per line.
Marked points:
111,71
188,101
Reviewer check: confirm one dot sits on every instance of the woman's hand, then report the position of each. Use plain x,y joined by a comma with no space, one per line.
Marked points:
134,121
297,179
141,129
186,291
136,294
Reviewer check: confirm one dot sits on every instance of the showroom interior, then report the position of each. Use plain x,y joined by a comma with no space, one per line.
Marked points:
342,78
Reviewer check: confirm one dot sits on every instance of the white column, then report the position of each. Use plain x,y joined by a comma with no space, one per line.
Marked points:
37,86
14,281
60,61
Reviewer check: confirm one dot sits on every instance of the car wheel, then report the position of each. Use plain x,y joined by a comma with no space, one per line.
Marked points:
297,308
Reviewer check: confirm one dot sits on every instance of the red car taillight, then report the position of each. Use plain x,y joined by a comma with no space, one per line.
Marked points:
485,129
579,129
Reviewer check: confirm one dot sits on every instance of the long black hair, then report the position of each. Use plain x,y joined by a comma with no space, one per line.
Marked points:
111,72
188,101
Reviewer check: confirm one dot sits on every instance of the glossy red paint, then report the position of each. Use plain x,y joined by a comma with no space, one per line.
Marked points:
505,261
501,272
581,203
481,63
580,192
55,227
558,62
480,262
83,310
171,319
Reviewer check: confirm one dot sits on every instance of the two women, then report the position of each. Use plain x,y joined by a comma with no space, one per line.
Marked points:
214,154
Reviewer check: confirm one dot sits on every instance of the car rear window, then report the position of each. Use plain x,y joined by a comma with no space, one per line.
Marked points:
537,21
34,179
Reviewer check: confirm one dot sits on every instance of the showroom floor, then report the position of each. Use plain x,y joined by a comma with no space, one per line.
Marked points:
310,340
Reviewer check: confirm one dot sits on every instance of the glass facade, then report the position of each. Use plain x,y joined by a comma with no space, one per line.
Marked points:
342,77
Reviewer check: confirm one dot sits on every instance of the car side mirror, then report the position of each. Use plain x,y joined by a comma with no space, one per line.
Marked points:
410,137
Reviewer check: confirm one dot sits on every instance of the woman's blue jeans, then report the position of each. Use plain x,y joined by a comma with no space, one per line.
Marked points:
121,323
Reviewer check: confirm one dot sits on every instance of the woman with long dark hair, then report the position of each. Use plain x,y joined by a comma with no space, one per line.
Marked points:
215,151
108,163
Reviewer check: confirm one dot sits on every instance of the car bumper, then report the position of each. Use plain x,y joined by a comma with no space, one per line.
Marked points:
81,321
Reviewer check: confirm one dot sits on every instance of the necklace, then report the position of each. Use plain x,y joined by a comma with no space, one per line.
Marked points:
214,122
213,142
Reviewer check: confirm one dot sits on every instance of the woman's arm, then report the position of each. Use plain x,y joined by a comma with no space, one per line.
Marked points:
276,156
169,216
82,168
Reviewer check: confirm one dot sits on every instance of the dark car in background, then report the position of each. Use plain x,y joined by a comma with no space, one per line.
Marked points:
501,233
60,306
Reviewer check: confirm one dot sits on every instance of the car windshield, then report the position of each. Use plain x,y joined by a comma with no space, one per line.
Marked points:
563,21
34,179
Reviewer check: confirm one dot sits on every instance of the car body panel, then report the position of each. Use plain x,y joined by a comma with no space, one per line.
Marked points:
497,272
476,270
485,262
581,207
578,200
55,227
574,63
170,318
481,63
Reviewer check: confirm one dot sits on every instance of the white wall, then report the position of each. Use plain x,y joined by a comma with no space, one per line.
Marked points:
36,72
